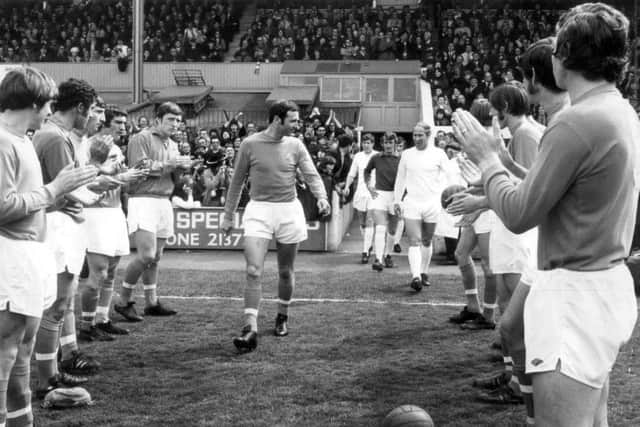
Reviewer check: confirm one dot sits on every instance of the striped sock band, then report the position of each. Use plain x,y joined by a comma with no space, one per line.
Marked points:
251,318
19,413
68,339
102,310
251,311
527,389
46,356
508,363
471,291
128,285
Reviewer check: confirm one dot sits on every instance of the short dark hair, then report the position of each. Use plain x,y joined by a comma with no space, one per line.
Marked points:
368,137
510,96
537,58
110,113
344,140
481,110
592,39
391,136
168,108
281,108
23,87
73,92
100,102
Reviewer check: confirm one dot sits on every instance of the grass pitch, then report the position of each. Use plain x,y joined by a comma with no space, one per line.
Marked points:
361,343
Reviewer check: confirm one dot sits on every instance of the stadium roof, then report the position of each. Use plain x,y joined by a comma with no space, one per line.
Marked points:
351,67
182,94
305,95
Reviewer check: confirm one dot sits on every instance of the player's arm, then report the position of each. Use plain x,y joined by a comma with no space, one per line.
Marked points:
55,157
401,179
353,173
57,154
240,172
138,153
371,165
15,205
311,175
351,176
525,205
524,153
514,167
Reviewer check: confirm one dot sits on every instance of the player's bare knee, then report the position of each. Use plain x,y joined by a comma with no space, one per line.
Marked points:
285,273
56,311
7,334
462,257
485,267
147,257
253,271
99,275
426,242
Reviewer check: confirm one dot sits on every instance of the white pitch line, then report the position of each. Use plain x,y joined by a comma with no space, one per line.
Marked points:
323,300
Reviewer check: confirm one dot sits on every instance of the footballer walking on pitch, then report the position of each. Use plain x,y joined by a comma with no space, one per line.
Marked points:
362,197
385,216
28,268
423,173
269,160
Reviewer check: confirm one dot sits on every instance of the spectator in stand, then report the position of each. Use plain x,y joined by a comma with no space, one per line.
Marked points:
441,118
214,155
185,148
182,196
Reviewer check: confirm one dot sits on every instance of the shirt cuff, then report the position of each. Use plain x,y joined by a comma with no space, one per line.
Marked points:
491,167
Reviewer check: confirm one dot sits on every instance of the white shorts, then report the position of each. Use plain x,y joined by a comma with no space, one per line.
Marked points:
579,319
106,231
362,200
531,269
285,221
383,202
67,240
484,223
425,211
152,214
28,272
509,252
446,226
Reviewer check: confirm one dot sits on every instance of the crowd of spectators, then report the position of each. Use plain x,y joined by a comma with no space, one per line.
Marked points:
358,32
464,52
478,49
101,30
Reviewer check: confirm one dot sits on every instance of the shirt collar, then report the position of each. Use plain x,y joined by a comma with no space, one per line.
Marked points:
596,91
156,132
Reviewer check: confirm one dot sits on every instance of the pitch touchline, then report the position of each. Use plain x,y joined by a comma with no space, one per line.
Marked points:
323,300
